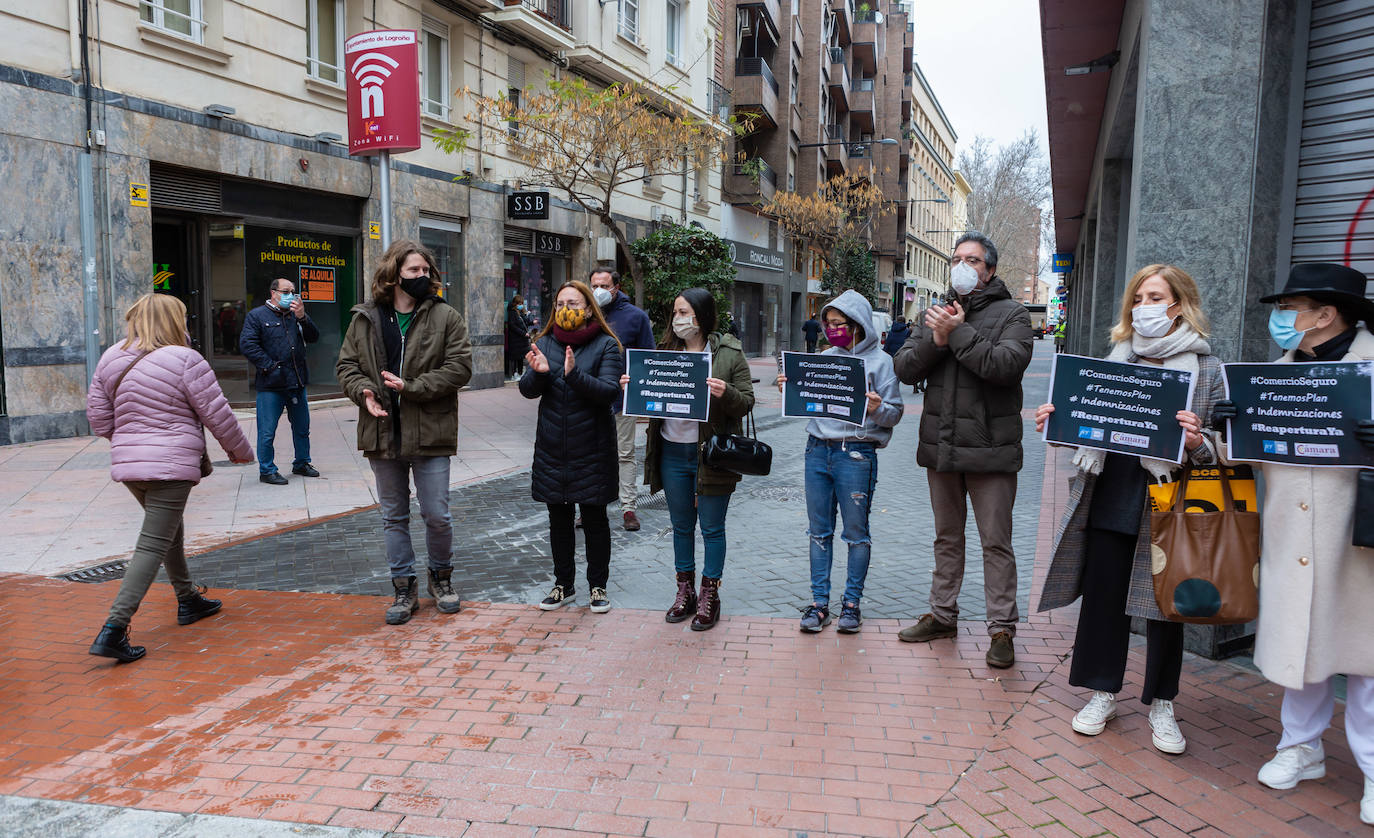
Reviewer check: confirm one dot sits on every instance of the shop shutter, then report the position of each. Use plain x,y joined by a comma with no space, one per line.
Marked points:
520,239
183,189
1333,218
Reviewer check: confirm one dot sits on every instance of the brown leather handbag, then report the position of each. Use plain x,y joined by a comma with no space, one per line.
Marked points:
1206,564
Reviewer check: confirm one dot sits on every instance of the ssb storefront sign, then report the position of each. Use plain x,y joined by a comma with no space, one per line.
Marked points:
548,244
528,205
383,69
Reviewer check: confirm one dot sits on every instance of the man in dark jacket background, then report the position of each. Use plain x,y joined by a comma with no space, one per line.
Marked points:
631,325
896,336
811,331
273,340
971,353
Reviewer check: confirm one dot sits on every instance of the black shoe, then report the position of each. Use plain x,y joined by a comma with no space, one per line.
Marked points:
306,470
196,607
274,478
113,642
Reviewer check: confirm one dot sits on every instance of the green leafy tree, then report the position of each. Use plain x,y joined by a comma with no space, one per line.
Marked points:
675,258
851,268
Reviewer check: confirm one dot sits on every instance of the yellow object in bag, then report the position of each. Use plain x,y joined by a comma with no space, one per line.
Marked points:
1204,490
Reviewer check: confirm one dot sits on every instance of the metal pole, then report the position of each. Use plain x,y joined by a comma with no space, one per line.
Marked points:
90,289
384,160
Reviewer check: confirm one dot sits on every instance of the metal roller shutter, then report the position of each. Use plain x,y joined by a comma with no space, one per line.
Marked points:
1333,218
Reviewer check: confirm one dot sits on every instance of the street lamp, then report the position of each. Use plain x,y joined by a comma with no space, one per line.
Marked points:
924,201
883,141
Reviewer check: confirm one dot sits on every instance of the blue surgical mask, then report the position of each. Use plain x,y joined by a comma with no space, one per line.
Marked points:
287,300
1283,329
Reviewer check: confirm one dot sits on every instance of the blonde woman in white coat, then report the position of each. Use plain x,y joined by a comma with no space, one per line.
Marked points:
1316,589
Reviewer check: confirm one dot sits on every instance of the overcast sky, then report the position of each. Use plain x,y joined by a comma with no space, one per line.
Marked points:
982,58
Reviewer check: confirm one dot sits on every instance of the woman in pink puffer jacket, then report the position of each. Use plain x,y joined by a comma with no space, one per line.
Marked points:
150,396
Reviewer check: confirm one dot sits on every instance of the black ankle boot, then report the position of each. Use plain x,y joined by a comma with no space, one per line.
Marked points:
113,642
196,607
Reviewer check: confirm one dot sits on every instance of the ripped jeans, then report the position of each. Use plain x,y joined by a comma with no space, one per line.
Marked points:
843,474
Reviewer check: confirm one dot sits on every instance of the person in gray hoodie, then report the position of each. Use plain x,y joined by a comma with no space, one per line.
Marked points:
842,463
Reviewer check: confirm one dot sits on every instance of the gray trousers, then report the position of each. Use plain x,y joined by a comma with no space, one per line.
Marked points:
431,489
993,496
625,450
159,545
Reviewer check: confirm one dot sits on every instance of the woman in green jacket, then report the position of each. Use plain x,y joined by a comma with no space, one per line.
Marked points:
672,461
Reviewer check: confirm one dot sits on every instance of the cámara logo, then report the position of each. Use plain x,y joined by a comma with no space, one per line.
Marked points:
372,69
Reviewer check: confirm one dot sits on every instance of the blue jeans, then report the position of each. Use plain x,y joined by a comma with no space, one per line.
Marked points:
270,404
431,489
839,474
678,470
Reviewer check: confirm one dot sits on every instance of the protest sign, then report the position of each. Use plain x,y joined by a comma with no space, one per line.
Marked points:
829,386
1300,414
667,385
1113,406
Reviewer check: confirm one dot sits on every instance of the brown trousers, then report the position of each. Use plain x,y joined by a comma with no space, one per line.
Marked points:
159,545
993,496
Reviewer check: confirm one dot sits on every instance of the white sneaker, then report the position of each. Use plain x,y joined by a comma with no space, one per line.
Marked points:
1093,718
1367,802
1165,733
1294,763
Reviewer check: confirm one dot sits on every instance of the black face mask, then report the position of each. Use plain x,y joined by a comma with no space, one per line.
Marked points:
417,287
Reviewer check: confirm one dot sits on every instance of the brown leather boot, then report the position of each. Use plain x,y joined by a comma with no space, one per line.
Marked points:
686,603
708,605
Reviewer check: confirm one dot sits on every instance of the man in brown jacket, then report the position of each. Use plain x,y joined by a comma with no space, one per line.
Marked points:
404,358
971,355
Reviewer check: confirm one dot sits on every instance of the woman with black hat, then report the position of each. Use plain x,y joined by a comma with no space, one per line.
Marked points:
1315,617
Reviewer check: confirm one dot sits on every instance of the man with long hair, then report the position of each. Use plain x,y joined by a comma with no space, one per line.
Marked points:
403,360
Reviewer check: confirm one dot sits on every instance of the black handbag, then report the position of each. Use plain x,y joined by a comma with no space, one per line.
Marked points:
1364,509
737,453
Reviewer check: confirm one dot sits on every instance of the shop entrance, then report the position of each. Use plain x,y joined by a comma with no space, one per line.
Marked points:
178,270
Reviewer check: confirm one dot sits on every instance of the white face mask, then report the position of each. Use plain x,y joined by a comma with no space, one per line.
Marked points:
685,327
963,278
602,296
1152,320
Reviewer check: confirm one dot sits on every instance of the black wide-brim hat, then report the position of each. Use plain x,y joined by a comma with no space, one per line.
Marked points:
1329,283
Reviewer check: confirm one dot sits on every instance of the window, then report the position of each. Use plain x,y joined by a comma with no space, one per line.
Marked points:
434,68
515,79
629,19
796,84
674,34
324,40
180,17
444,238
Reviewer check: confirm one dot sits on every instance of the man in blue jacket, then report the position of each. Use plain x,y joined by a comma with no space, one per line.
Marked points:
631,325
273,340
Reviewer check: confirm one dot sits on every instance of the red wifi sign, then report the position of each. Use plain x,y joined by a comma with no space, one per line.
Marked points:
383,70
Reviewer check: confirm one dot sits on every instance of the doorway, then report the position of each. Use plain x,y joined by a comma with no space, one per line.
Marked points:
178,270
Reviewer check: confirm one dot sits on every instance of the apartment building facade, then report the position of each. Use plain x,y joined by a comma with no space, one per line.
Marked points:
195,147
938,200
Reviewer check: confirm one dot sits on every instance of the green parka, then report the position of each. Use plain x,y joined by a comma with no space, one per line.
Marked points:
436,362
729,365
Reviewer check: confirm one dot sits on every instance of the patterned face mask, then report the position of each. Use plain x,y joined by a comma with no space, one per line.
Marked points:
570,319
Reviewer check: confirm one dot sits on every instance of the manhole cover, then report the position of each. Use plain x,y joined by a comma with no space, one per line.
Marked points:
99,573
778,493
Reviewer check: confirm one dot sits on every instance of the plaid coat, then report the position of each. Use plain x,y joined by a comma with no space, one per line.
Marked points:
1064,580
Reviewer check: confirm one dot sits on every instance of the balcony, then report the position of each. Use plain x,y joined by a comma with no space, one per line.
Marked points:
741,185
865,51
769,10
839,79
756,90
861,106
547,23
844,18
836,153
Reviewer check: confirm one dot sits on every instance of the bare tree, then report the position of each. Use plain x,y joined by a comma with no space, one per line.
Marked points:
1010,200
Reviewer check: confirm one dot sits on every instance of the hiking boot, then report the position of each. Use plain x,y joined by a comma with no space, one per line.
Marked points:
850,619
113,642
407,600
1000,653
446,599
927,628
1093,718
815,617
1294,763
631,521
708,605
685,604
196,607
557,598
1164,730
600,603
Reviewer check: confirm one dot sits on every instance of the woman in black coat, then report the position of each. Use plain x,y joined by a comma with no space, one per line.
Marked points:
574,370
517,335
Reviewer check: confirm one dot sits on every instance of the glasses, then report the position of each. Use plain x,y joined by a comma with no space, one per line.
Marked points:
286,290
971,261
1289,307
577,305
